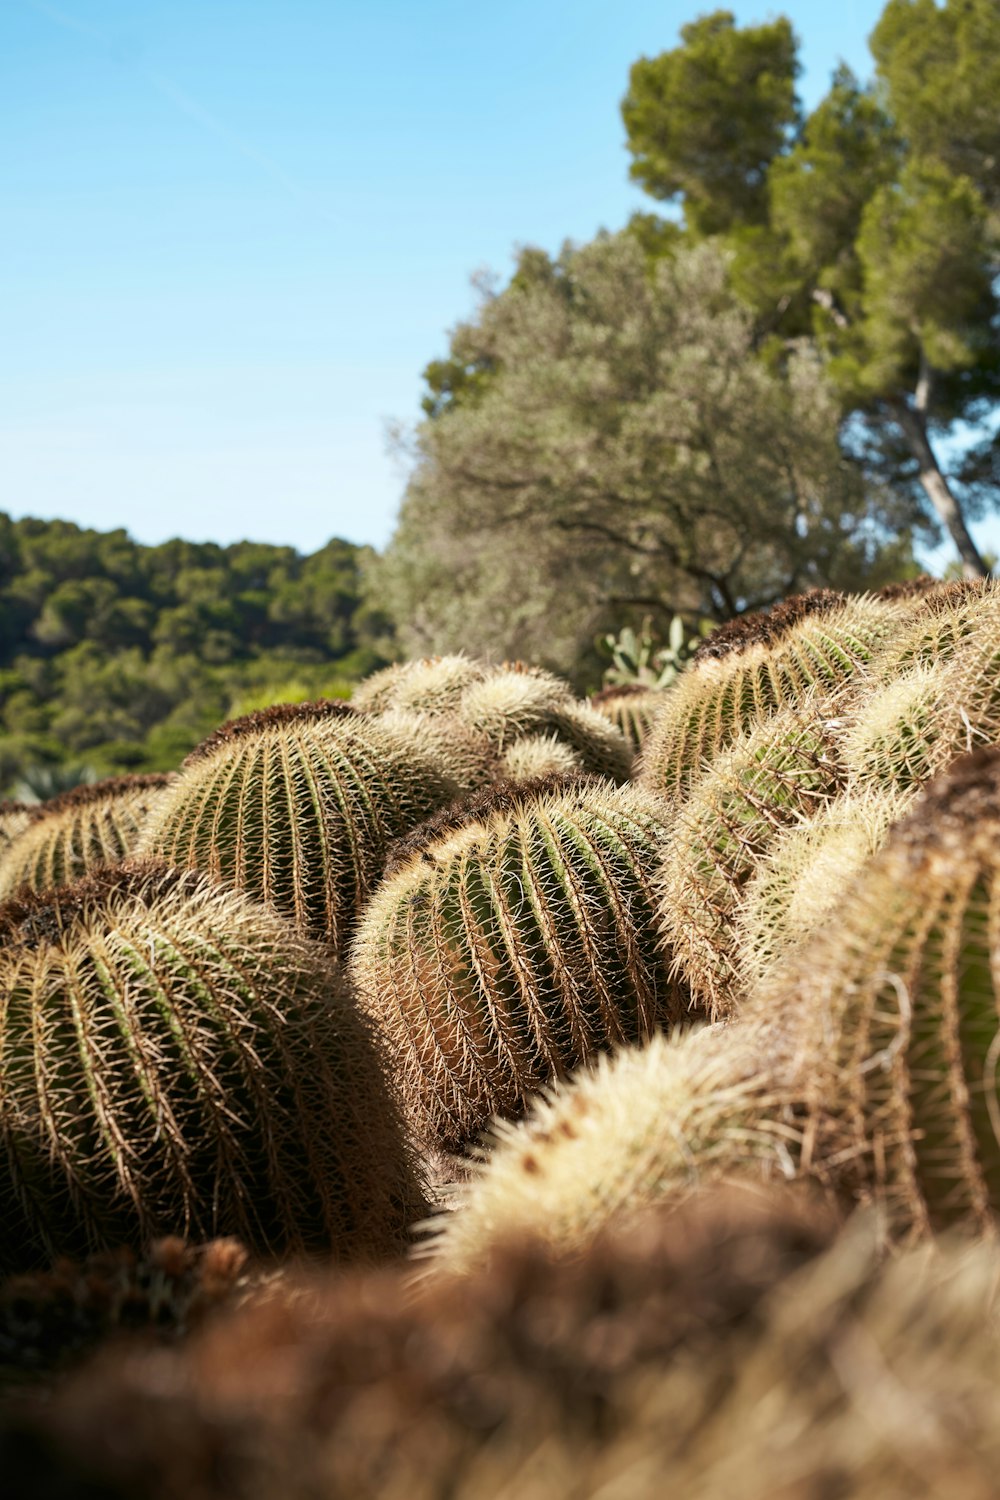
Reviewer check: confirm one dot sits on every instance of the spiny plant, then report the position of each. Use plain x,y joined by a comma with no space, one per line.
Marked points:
644,1126
633,708
70,834
432,684
178,1059
800,882
50,1319
780,773
468,758
512,703
538,756
935,625
538,1376
886,1023
903,730
14,816
512,939
297,804
752,667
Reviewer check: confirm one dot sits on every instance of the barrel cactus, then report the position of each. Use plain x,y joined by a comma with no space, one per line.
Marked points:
74,832
778,774
632,707
514,703
178,1059
538,756
802,879
886,1023
297,805
432,684
751,668
14,816
512,940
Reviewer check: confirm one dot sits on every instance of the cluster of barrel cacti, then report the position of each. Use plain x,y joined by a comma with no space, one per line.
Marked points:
472,948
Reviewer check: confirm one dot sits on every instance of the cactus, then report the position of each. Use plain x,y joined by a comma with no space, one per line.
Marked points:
14,816
70,834
537,757
934,626
751,668
177,1059
468,758
513,939
513,703
297,805
433,684
886,1023
781,773
633,708
647,1125
800,882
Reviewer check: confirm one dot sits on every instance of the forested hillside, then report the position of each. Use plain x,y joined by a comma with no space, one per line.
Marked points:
119,656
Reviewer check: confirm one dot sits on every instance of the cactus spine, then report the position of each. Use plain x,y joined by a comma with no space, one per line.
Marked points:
70,834
504,951
432,685
176,1058
633,708
513,704
297,805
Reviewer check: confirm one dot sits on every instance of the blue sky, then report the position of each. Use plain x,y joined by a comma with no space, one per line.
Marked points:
236,231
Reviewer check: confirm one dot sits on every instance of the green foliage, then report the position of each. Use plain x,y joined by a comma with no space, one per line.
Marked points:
705,120
125,656
636,658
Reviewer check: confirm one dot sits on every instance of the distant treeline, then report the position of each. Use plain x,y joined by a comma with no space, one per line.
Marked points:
121,657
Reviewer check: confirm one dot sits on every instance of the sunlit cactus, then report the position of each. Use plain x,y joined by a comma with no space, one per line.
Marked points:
14,816
776,775
538,756
647,1125
934,625
178,1059
633,708
74,832
512,940
297,805
754,666
513,703
431,684
800,882
886,1022
468,758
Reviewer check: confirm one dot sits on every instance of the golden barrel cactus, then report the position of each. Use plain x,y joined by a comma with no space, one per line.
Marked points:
511,941
178,1059
297,805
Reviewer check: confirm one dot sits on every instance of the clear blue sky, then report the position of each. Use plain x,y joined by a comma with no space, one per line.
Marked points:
236,230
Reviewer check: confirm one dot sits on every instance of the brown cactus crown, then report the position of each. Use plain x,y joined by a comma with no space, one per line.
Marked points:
94,791
30,918
277,716
765,627
500,797
619,690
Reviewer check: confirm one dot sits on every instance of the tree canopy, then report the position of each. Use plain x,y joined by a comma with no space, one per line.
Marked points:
124,656
872,225
607,442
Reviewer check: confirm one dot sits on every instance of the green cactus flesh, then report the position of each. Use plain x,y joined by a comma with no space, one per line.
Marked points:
177,1059
633,709
297,806
506,950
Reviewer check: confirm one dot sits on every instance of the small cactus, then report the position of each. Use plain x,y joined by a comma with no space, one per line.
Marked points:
177,1059
297,805
14,816
633,708
63,838
538,756
512,940
433,684
467,758
512,704
751,668
778,774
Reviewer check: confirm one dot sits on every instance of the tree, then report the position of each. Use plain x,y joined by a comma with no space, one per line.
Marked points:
874,228
629,453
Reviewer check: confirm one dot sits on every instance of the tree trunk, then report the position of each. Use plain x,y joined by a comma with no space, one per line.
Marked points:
913,421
